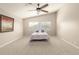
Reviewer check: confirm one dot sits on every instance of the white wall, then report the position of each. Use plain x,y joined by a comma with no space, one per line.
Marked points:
7,37
48,17
68,23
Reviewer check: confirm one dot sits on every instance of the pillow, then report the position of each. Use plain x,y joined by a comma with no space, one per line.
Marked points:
42,30
37,31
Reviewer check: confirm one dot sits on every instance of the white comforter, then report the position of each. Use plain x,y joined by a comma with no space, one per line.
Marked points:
39,35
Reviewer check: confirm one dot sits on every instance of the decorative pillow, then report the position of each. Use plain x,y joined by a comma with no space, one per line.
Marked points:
37,31
42,30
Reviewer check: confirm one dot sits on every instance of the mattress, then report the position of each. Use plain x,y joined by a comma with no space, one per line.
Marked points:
39,35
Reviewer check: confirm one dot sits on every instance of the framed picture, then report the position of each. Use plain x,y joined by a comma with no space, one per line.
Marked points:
6,23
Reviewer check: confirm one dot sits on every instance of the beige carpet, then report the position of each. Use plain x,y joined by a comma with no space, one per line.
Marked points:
52,46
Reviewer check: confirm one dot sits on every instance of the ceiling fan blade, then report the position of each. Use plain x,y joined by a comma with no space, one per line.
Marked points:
44,11
38,5
44,6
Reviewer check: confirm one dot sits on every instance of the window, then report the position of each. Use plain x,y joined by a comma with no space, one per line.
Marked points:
33,25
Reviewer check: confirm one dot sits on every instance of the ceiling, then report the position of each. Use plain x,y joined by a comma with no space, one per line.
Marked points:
22,9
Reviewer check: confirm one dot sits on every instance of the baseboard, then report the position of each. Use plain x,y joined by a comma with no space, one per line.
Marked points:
6,43
73,45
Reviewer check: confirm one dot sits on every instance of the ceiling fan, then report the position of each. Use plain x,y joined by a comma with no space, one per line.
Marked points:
38,9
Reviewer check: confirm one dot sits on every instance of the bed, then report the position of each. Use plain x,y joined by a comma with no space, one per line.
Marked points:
40,35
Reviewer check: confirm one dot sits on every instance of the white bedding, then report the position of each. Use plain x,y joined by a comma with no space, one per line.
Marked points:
39,35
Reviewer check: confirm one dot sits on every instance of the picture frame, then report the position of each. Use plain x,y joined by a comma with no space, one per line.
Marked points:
6,23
